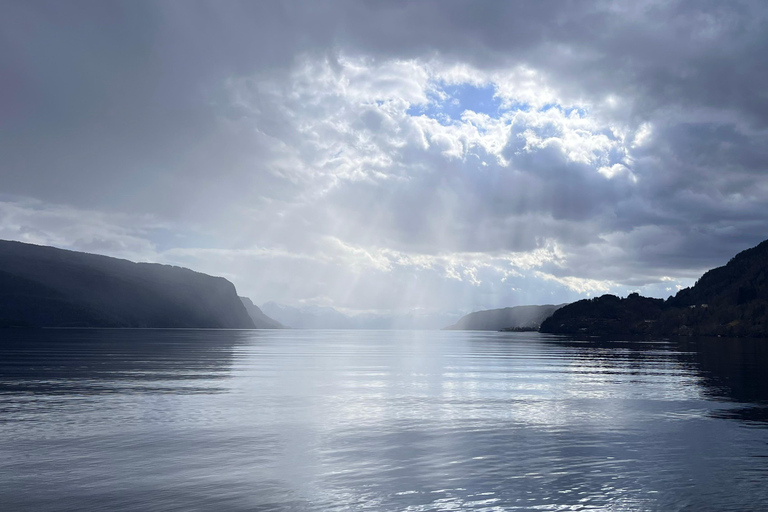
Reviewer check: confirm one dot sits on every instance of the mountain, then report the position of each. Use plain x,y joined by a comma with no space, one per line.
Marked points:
48,287
519,317
607,315
260,320
323,317
307,317
416,319
731,300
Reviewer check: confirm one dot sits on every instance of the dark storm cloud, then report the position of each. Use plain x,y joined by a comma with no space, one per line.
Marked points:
678,52
104,99
97,91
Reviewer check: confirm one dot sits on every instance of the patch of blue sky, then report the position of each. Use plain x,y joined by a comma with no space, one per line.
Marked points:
448,102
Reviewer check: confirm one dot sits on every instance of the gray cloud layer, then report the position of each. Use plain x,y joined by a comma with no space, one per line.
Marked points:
280,144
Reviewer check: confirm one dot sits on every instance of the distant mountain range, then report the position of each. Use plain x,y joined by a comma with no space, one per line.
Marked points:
307,317
515,318
48,287
731,300
260,320
323,317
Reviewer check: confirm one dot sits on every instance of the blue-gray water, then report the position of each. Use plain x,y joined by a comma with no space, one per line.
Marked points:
379,420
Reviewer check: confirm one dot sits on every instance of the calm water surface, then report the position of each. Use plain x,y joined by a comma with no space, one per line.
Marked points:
378,420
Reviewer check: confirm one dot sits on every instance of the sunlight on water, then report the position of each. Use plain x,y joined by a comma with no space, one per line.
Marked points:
378,420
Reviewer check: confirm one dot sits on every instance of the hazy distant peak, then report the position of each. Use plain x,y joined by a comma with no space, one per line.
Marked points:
518,317
326,317
260,320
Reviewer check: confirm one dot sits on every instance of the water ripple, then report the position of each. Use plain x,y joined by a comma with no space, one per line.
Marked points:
389,420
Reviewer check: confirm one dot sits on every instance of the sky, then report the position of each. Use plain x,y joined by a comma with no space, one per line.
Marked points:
391,156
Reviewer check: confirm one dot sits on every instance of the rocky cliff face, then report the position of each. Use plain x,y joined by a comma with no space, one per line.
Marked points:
48,287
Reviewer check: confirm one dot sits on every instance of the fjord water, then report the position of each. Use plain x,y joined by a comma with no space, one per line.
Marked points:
379,420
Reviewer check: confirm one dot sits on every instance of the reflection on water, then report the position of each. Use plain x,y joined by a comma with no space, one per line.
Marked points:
87,362
734,371
379,420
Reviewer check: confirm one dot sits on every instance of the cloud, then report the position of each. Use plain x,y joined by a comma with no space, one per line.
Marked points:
62,226
374,155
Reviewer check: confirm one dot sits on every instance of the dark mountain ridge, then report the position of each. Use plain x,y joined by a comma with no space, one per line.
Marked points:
260,320
731,300
514,318
48,287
